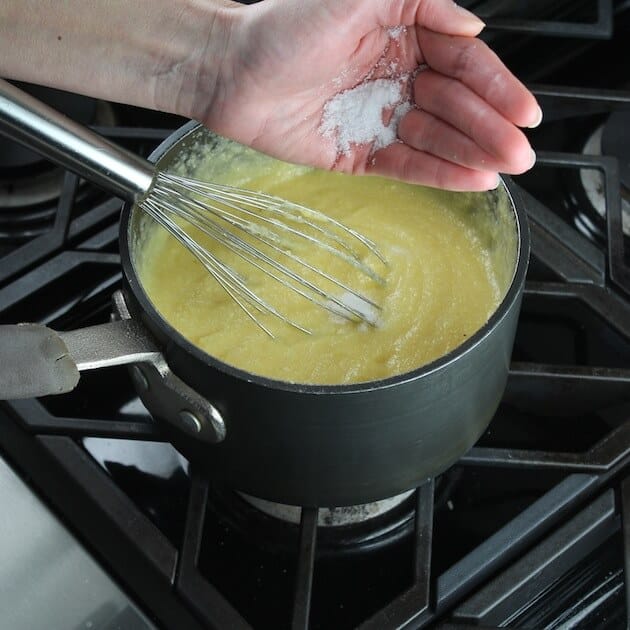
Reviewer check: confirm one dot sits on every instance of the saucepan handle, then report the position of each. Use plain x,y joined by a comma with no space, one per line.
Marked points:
34,362
37,361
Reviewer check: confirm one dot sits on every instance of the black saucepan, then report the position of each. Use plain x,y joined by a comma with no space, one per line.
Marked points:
299,444
337,445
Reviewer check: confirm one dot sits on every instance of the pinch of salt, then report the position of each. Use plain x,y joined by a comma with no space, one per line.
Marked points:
352,302
356,116
338,80
396,31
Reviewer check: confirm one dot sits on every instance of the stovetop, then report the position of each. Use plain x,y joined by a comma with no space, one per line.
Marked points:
529,530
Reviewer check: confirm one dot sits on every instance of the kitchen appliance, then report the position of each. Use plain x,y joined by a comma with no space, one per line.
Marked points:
528,530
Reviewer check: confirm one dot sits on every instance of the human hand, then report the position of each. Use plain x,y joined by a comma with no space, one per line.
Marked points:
287,59
265,75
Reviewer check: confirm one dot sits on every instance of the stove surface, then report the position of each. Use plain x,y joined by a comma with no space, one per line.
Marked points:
38,554
529,530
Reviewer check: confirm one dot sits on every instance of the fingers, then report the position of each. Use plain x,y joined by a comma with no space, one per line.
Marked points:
416,167
471,62
424,132
473,121
470,109
443,16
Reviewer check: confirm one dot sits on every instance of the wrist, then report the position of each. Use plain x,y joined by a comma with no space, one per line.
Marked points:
160,54
189,69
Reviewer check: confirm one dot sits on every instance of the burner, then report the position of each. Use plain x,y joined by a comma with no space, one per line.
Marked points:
329,517
250,558
342,530
30,186
592,223
245,519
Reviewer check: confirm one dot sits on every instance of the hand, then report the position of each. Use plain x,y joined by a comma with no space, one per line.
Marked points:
286,59
264,74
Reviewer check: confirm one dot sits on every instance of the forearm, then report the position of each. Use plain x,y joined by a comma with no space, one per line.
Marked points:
151,53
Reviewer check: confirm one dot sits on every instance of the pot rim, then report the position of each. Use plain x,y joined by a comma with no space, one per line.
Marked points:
511,295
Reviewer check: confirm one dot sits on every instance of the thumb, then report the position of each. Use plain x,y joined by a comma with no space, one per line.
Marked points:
442,16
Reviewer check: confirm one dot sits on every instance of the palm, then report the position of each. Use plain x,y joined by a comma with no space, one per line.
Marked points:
284,82
288,69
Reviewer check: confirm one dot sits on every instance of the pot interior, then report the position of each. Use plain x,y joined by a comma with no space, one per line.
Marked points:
492,215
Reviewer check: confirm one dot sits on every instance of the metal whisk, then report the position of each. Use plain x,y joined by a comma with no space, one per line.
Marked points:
259,228
227,214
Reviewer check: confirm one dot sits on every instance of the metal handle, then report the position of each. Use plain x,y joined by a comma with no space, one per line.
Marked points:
43,129
104,345
37,361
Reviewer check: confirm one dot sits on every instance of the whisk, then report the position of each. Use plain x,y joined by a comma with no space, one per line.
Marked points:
259,228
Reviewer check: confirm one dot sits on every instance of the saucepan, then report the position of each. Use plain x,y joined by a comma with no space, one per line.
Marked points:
309,445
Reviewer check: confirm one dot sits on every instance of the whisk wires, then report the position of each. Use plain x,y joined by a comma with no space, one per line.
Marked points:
242,221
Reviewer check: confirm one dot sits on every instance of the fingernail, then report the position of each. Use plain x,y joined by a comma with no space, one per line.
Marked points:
470,16
497,183
533,160
538,119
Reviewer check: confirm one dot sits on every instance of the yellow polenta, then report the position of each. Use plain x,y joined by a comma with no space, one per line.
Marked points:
447,271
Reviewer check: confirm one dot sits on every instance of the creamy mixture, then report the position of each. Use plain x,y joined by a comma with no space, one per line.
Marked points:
449,265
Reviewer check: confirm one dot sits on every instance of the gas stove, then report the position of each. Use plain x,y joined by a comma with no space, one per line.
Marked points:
530,529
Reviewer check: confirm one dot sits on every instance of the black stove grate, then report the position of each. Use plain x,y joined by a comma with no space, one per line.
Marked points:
65,230
131,545
597,23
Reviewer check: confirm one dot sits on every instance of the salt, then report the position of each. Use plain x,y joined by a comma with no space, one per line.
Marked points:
349,302
396,31
355,116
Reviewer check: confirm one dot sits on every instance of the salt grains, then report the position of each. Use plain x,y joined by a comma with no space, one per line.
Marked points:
355,117
350,302
396,31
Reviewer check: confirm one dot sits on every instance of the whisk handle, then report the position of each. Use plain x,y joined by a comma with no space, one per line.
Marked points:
39,127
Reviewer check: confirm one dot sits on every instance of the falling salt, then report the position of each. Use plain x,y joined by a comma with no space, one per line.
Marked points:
355,116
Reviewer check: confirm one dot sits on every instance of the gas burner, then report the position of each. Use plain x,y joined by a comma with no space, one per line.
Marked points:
249,519
341,531
329,517
609,138
30,187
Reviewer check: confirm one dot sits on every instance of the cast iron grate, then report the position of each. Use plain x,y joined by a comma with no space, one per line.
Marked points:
560,104
594,20
66,230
